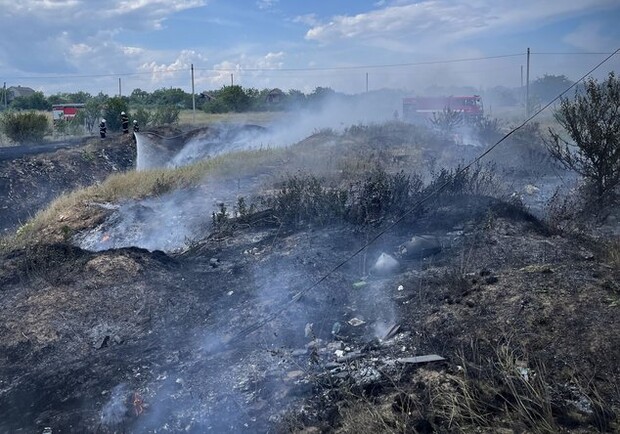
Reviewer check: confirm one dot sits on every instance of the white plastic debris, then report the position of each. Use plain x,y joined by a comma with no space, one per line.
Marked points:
230,293
400,287
355,322
385,265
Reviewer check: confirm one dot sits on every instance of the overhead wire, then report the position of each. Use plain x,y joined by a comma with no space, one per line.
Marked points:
259,324
301,69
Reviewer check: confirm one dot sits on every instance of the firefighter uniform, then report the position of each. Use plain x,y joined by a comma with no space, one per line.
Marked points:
102,128
125,122
136,127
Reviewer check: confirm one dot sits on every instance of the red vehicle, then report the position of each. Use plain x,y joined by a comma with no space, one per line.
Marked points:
65,111
423,107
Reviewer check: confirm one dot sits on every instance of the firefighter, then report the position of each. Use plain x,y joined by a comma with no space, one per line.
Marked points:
136,129
125,122
102,128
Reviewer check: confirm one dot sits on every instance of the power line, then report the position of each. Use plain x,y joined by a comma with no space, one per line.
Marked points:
240,69
325,68
387,65
257,325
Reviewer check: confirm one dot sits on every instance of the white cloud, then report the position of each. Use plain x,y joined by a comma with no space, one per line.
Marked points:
308,19
441,21
163,72
266,4
51,36
244,70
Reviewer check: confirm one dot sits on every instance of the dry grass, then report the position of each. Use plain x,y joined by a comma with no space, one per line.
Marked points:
71,211
503,391
187,117
613,253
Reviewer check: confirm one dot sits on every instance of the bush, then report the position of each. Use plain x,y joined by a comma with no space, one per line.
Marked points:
143,116
112,112
166,115
593,125
303,199
24,127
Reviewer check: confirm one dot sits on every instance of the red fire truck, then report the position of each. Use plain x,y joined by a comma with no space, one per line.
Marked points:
423,107
65,111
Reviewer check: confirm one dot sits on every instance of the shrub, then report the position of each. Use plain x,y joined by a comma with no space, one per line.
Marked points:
23,127
447,120
303,199
112,112
381,194
143,116
593,125
166,115
487,130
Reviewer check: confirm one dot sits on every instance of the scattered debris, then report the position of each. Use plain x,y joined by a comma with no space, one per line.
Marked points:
391,332
420,359
384,265
420,246
355,322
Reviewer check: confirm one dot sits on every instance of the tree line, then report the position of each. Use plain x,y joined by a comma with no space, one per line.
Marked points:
233,98
239,99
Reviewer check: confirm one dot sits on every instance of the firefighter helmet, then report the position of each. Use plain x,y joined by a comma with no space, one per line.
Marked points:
122,113
103,120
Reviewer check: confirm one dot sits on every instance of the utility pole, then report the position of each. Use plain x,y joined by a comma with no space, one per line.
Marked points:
521,88
527,85
366,82
193,98
119,87
4,95
232,79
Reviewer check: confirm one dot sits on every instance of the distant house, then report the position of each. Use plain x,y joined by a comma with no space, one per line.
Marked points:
275,96
205,95
18,92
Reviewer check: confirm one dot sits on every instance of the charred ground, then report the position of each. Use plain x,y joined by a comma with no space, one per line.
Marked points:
240,332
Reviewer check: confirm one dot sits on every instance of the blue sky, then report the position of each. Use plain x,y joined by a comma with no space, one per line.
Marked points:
67,45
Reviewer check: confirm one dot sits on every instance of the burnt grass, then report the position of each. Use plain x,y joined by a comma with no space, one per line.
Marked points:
241,332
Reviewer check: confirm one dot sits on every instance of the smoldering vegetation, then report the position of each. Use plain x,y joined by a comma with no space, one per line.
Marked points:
304,272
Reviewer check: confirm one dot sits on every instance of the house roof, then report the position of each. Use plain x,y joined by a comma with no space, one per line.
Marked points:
18,91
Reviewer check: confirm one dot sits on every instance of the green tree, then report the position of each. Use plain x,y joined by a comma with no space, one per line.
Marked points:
320,94
90,114
235,98
24,127
592,121
295,98
548,86
166,115
112,112
143,116
36,101
216,105
171,96
139,97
